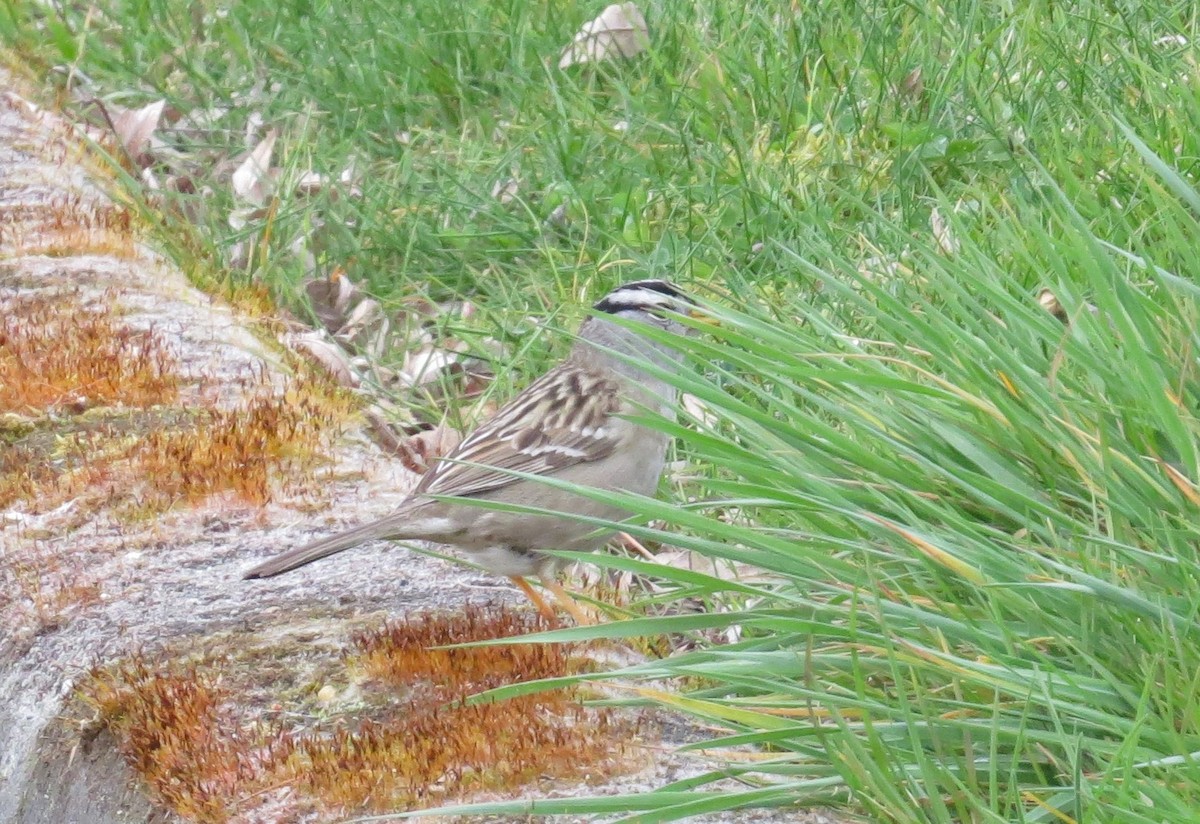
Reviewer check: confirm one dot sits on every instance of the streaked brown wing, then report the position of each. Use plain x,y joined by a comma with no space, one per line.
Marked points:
562,419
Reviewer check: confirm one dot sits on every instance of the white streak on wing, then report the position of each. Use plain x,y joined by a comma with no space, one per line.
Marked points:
569,451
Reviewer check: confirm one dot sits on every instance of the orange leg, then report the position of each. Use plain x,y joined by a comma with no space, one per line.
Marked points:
564,599
538,601
582,617
634,545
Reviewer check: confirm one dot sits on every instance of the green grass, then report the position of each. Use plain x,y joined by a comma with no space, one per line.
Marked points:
980,523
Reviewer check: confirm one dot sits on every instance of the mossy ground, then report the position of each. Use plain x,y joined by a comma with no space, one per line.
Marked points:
376,722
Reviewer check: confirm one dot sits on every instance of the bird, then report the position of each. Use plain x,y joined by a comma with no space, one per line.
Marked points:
579,423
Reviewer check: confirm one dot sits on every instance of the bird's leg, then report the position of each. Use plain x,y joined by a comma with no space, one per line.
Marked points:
582,617
634,545
538,601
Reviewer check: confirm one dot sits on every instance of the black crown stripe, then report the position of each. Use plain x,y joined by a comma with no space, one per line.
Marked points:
612,302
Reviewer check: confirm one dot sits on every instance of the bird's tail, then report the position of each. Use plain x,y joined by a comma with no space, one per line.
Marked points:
287,561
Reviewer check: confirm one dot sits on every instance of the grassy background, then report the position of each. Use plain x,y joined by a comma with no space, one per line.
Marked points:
979,521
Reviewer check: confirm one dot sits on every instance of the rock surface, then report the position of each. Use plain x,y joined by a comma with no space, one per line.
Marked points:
172,577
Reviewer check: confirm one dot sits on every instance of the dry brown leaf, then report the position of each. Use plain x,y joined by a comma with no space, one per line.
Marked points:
419,452
367,327
310,183
135,127
252,179
416,308
238,255
478,374
619,31
714,567
913,84
330,298
1048,301
426,365
699,411
506,190
559,219
241,218
254,124
355,320
943,234
326,354
466,378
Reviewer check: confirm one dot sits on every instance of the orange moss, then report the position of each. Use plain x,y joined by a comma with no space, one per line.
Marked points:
48,469
40,591
154,459
57,353
169,726
65,225
252,298
240,450
435,753
21,473
178,729
438,745
405,651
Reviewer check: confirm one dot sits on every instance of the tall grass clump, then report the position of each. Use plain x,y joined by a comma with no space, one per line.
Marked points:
977,523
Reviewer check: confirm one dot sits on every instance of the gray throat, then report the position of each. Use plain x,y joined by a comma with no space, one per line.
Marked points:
605,344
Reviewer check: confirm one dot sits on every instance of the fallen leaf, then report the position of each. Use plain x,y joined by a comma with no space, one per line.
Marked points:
251,180
310,183
238,255
558,219
426,365
943,234
619,31
506,190
198,124
135,127
330,298
913,84
417,309
420,451
366,328
466,378
1048,301
241,218
1171,40
699,411
254,122
720,568
326,354
881,268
